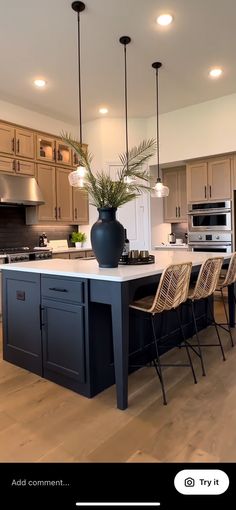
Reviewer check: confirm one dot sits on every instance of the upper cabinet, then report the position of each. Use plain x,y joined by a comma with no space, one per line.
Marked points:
16,141
52,150
209,180
80,206
175,205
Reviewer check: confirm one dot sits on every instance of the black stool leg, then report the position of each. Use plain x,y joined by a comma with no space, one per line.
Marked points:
196,332
186,345
158,365
216,328
227,318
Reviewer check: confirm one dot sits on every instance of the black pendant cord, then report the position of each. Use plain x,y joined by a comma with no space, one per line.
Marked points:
80,94
79,7
126,40
156,66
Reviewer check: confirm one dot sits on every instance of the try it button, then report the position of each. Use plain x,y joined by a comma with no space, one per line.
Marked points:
201,481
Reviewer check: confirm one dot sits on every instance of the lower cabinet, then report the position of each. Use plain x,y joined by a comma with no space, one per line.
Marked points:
63,337
21,321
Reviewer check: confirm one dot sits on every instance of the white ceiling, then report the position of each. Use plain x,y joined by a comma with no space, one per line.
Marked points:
39,38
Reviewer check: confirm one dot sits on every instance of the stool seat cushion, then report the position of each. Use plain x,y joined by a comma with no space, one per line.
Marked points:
144,304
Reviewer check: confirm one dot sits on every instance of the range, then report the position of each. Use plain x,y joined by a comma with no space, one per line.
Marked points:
23,253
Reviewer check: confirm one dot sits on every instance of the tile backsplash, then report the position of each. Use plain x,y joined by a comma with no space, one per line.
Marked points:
179,229
14,232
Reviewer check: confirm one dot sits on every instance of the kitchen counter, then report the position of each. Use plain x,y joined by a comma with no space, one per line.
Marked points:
69,250
89,268
69,321
168,246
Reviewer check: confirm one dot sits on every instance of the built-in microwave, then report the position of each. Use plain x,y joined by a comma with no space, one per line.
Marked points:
210,216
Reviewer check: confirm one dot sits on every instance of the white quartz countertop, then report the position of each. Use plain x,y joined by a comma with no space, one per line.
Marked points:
164,246
89,268
70,250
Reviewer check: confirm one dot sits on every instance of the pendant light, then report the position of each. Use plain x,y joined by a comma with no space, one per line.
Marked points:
76,177
160,190
125,39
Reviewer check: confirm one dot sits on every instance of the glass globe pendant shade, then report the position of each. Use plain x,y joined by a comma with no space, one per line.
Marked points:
160,190
76,178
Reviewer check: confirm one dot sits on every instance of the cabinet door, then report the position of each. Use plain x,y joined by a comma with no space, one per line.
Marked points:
170,179
24,143
75,156
60,256
7,164
25,167
219,179
80,206
21,311
64,195
7,139
182,192
46,177
78,255
63,153
197,188
63,340
45,148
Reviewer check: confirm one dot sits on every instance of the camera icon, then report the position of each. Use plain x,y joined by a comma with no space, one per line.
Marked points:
189,482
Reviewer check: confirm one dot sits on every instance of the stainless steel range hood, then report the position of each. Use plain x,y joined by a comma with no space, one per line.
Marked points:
20,190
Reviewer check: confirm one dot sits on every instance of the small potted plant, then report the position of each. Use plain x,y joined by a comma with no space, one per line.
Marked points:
78,238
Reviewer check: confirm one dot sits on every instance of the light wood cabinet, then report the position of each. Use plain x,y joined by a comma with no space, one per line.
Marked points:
46,177
209,180
64,195
7,139
7,164
57,194
175,205
24,143
63,153
16,166
45,148
16,141
80,207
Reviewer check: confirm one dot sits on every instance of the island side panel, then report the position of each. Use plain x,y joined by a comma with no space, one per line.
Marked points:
116,294
21,320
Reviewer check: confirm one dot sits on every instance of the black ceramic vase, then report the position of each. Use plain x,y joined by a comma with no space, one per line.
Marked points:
107,238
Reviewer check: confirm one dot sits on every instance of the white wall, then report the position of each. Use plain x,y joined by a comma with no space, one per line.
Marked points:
201,130
18,115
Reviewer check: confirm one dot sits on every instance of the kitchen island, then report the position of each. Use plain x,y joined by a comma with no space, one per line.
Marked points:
69,321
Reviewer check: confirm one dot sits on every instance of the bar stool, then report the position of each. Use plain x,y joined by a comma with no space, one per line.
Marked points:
172,291
205,286
230,278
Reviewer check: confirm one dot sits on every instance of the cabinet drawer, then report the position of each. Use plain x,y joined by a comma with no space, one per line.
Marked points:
60,256
65,289
78,255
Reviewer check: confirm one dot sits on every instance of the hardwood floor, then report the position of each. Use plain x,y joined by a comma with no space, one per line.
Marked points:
42,422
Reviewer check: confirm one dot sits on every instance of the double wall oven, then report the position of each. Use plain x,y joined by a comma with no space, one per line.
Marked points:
210,226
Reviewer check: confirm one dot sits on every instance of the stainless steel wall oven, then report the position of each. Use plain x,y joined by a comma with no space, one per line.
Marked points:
213,216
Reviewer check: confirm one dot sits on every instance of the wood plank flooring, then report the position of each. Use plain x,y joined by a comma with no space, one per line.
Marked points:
42,422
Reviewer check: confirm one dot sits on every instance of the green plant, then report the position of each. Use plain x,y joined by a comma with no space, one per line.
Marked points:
131,178
78,237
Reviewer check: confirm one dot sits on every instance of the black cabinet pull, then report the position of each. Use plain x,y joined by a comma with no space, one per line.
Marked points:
54,154
14,165
179,211
210,191
76,213
57,289
59,212
176,211
18,145
13,144
18,166
55,212
205,191
41,309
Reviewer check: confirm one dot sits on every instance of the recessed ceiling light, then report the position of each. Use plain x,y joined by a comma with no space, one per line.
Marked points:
215,73
103,110
39,83
164,19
